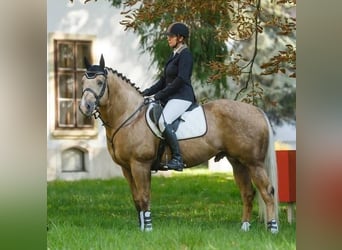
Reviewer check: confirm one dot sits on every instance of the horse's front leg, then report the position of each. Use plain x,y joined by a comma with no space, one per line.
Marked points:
128,175
141,174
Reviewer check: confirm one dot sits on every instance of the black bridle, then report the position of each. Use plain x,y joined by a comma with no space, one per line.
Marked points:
96,113
92,75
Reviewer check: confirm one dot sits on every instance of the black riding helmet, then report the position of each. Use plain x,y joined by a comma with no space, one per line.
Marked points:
178,29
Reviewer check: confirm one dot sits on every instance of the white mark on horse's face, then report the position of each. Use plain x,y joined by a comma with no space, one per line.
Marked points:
87,104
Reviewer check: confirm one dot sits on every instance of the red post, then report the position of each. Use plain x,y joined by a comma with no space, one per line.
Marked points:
286,161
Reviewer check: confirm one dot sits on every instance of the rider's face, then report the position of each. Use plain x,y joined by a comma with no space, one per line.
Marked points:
172,40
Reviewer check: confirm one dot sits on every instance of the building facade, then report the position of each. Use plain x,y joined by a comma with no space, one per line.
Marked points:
76,145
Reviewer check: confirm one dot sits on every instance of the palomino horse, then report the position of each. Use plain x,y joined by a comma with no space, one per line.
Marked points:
237,130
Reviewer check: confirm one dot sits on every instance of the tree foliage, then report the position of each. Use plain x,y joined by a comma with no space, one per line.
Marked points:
243,49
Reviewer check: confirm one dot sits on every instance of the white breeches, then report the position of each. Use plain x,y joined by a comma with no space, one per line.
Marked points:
173,109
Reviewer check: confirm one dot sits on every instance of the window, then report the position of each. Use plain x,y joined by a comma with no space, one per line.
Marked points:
73,160
69,69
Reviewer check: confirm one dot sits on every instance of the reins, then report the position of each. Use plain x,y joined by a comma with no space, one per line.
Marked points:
97,115
125,121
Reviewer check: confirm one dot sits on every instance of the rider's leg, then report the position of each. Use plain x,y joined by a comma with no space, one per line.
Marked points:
176,162
172,110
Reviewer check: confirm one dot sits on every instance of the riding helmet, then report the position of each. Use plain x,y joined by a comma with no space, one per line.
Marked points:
178,29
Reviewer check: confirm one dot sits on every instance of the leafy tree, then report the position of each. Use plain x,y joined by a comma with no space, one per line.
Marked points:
243,49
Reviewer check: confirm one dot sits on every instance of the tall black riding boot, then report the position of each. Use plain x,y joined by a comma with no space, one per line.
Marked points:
176,162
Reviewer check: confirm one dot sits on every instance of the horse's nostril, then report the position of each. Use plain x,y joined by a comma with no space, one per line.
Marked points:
88,106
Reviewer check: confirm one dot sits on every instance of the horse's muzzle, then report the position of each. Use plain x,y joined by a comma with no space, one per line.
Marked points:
87,108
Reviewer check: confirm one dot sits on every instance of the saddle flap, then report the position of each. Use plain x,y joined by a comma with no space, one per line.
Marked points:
190,125
155,112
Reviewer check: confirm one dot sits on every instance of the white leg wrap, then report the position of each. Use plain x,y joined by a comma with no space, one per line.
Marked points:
245,226
273,226
145,221
141,220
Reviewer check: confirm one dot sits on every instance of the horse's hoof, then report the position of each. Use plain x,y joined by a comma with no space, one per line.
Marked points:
245,226
273,226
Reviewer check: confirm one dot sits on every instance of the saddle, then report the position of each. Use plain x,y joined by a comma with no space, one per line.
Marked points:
156,112
189,125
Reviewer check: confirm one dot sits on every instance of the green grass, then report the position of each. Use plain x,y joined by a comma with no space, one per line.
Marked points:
190,210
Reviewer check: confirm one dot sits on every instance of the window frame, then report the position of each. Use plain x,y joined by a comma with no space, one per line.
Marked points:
74,72
75,130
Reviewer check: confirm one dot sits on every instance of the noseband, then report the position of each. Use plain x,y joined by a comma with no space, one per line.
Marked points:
92,75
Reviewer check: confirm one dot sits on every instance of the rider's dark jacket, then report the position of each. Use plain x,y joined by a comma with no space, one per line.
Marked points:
175,83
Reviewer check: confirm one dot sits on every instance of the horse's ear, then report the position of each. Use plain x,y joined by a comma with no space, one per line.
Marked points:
86,63
102,62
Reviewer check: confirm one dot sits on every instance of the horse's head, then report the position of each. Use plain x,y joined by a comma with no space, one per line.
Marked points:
94,84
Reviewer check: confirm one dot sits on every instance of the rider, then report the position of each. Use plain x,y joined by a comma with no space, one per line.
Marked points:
174,89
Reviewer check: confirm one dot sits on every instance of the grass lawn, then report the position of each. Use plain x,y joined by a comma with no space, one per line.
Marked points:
190,210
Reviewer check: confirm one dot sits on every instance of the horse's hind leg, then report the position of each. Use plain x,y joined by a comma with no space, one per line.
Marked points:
263,184
243,181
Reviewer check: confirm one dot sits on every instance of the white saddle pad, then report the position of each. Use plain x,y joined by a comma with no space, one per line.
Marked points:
193,124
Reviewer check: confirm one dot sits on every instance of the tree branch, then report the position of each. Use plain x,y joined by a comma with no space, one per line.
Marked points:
251,62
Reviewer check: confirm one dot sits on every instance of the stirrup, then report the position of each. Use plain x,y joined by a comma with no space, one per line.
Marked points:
175,164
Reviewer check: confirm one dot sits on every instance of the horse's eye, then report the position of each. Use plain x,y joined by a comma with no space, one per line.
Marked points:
99,83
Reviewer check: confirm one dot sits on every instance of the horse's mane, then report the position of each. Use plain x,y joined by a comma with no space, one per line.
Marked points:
124,78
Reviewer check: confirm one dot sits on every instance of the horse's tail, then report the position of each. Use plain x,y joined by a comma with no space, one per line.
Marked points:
270,165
